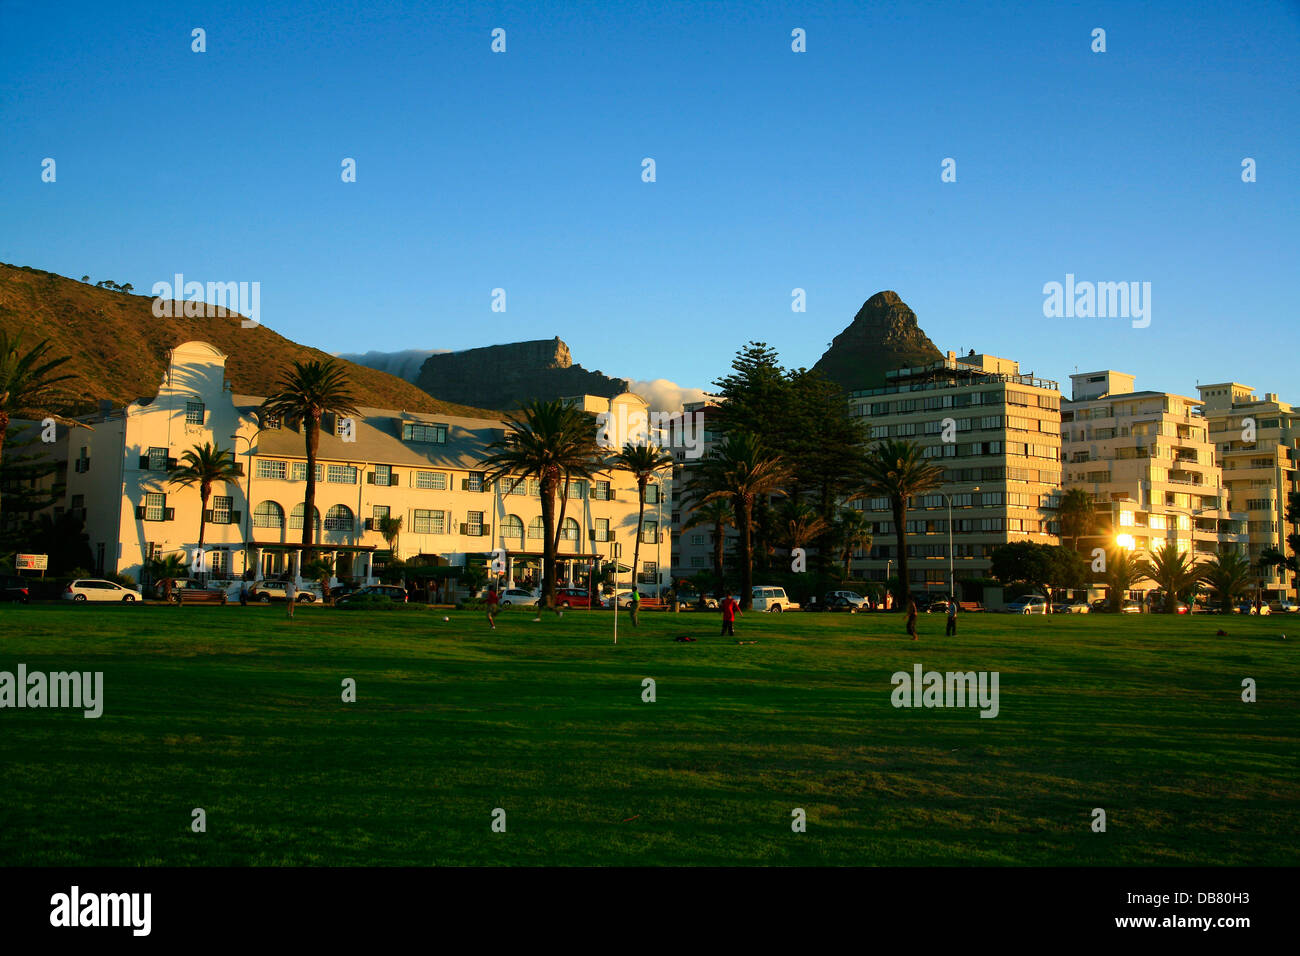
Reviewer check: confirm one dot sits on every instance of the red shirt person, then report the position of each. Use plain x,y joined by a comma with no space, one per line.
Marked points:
730,608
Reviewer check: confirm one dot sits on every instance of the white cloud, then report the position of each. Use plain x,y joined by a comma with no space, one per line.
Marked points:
405,364
666,396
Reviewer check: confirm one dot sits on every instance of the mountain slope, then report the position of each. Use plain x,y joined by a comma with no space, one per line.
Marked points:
884,335
117,347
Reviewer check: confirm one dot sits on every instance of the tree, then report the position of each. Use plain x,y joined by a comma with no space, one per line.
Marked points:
801,523
320,571
303,394
717,515
852,531
1041,566
1077,515
204,465
29,382
896,470
64,539
167,569
85,278
742,471
1229,574
1121,573
1174,572
643,461
554,443
391,529
1272,557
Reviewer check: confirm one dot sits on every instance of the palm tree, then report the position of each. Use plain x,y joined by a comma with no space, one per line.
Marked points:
802,523
28,383
1230,576
741,470
1122,572
643,461
1077,515
166,569
391,529
320,571
554,443
853,531
1174,571
896,470
303,394
204,465
717,515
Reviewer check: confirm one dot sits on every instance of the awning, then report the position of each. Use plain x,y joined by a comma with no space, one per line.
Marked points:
279,546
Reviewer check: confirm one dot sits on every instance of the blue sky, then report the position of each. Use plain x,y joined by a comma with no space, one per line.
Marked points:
775,170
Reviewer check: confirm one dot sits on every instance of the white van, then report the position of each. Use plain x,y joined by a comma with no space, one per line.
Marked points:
773,600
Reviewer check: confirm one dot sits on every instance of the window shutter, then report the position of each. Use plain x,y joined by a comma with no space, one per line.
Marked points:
392,479
169,514
370,524
207,514
171,463
370,477
239,469
234,517
464,528
487,531
464,484
139,511
144,462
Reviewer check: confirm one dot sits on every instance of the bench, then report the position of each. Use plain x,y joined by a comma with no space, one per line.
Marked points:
970,606
200,596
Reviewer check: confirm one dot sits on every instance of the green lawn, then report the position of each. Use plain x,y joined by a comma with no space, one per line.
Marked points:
239,712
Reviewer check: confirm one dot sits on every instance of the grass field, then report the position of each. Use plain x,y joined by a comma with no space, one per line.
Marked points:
239,712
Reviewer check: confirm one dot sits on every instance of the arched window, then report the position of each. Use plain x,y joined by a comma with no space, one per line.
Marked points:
512,527
299,511
570,531
338,518
536,530
268,514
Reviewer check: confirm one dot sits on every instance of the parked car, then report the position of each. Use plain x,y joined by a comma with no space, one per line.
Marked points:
624,595
572,597
1029,604
393,592
772,600
1285,606
97,589
936,605
14,589
268,591
1074,607
1248,607
1130,607
519,596
852,598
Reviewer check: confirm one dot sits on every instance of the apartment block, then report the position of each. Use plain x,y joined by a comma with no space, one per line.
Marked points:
1258,447
997,434
1148,461
426,468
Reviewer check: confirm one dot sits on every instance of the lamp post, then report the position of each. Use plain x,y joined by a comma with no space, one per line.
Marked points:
248,494
659,538
952,585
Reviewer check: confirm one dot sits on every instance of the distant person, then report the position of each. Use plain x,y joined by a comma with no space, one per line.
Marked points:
493,605
729,611
290,596
634,605
952,620
911,618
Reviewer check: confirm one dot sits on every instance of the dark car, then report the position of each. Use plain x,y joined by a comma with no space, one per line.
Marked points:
14,589
391,591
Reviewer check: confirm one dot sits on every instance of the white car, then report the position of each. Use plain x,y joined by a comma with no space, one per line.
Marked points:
1030,604
852,597
97,589
624,598
268,591
773,600
518,596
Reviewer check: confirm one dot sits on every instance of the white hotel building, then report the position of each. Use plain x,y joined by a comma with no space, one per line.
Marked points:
425,468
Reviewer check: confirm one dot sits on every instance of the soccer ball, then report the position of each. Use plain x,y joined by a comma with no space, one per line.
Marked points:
446,619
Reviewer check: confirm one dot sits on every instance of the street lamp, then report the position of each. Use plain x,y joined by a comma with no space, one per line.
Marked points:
248,495
952,586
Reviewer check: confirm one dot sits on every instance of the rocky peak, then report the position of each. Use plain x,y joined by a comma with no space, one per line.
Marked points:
884,335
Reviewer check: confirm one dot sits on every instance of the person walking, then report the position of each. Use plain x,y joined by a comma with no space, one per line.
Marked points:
290,596
729,611
911,618
634,605
951,629
493,605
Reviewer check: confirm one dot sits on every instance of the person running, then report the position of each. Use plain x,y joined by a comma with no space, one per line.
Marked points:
951,629
290,596
729,611
493,605
911,618
634,605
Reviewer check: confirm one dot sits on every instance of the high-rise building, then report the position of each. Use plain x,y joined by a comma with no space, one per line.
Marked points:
997,434
1148,461
1258,447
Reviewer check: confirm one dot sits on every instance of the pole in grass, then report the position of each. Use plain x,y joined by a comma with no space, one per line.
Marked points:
614,599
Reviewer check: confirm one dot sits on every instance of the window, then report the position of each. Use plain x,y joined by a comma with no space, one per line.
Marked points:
536,530
221,509
649,572
650,532
377,514
78,503
432,434
570,530
155,506
219,562
341,474
193,413
384,475
697,539
474,524
512,527
652,494
575,489
474,482
299,514
338,518
157,459
699,561
602,529
272,421
424,521
268,514
271,469
600,491
435,480
299,471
